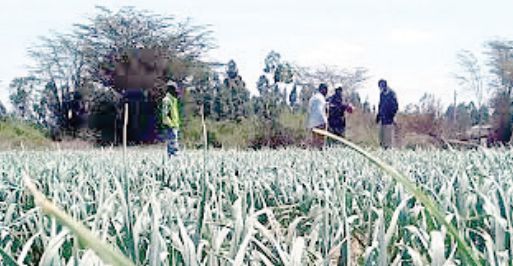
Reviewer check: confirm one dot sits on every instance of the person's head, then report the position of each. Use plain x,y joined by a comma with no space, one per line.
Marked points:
382,84
338,91
323,89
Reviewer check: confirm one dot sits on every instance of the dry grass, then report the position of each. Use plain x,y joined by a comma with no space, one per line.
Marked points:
362,128
356,253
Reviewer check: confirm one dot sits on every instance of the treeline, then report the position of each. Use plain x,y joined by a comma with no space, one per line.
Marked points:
276,116
73,82
464,116
489,83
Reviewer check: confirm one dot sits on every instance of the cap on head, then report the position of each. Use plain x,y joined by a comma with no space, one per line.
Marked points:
171,87
171,84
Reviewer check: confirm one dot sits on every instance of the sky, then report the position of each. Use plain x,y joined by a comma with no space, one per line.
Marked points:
411,43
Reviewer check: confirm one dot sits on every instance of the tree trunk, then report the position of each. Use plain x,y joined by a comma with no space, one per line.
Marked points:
504,118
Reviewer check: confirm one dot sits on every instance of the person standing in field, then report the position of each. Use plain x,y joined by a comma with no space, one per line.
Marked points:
171,118
386,112
337,109
317,117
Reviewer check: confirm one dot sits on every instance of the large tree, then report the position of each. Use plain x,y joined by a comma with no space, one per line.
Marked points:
277,92
22,95
429,104
293,97
51,104
176,46
333,76
500,54
464,119
97,51
3,110
59,64
205,87
233,96
277,73
272,88
471,79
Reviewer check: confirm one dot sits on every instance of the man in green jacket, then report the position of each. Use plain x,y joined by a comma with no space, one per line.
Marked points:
171,118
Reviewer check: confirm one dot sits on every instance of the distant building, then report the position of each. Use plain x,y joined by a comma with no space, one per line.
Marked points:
479,132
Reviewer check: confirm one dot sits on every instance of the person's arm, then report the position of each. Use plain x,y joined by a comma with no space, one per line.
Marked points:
349,108
316,106
378,116
324,110
166,120
396,105
174,113
311,105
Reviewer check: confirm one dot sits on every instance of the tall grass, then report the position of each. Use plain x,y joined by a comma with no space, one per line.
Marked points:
84,236
285,207
429,203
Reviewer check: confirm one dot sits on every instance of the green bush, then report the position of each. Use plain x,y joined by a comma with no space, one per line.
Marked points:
252,132
14,132
226,134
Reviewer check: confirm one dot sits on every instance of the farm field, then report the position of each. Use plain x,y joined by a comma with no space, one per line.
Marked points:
269,207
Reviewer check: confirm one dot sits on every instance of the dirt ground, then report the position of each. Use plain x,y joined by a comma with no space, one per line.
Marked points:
356,254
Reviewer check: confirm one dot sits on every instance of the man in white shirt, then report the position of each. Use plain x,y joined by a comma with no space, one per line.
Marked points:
317,117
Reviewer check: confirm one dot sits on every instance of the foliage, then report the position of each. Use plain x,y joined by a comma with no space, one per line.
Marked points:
15,132
84,236
109,36
286,130
3,110
432,207
333,76
232,97
468,115
285,207
472,78
252,132
22,95
272,88
293,97
206,86
88,56
428,104
501,61
280,70
361,128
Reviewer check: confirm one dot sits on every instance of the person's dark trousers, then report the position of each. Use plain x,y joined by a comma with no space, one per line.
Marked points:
339,131
172,142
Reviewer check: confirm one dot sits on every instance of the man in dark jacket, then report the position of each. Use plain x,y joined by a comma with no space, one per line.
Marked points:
387,109
337,109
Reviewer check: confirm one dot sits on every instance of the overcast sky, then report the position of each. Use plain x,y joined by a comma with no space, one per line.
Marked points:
411,43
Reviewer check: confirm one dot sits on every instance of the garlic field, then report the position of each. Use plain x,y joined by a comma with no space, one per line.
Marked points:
286,207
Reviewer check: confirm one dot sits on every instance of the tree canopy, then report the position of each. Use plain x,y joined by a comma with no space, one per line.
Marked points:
111,44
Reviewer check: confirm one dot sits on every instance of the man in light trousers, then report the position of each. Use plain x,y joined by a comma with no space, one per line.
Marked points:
387,110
